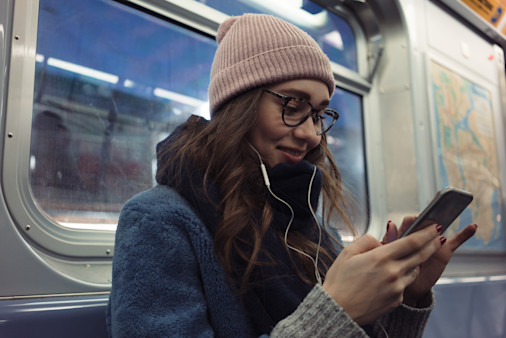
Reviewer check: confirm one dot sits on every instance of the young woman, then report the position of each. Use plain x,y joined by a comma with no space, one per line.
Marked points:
229,245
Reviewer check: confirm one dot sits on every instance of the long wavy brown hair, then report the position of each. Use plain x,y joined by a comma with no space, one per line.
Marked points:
221,151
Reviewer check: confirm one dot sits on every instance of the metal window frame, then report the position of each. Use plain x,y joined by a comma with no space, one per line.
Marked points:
31,221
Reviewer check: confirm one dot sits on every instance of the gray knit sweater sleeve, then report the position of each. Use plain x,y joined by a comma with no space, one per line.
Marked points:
405,321
320,316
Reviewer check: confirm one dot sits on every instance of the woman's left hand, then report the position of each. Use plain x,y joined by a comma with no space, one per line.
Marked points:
431,269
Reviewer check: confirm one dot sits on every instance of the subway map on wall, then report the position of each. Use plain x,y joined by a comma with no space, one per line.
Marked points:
467,154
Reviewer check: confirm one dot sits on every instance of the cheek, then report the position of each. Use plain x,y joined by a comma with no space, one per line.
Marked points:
268,129
264,139
314,142
257,137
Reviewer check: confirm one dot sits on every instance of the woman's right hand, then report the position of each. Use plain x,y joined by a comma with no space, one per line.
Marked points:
368,279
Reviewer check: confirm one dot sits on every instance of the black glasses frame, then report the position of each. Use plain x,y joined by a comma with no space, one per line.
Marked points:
286,99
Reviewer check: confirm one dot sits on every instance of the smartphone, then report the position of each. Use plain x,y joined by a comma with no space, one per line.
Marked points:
443,209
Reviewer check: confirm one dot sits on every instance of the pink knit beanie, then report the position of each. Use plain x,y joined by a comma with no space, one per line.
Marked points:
258,49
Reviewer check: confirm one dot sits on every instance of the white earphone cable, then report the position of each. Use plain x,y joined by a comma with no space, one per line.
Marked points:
268,185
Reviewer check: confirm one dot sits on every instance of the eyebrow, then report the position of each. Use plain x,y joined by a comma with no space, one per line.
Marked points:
302,95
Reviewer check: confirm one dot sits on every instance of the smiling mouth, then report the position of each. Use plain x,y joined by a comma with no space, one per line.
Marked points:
291,152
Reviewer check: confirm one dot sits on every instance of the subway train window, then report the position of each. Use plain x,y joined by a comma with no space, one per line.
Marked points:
110,82
108,87
346,142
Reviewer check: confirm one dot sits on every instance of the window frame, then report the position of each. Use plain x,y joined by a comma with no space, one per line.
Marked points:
30,220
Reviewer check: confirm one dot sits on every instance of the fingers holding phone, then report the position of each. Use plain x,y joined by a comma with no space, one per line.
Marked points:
368,279
423,244
442,210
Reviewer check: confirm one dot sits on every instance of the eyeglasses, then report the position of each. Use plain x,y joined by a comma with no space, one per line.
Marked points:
296,111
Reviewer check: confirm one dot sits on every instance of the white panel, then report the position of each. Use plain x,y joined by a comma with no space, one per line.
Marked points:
460,43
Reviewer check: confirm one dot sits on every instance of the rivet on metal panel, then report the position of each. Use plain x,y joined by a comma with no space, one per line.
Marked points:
16,37
108,252
27,227
10,135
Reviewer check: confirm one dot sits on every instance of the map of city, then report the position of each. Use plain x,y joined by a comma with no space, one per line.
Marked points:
467,155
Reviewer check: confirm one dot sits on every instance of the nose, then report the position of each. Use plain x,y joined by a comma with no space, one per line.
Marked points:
307,132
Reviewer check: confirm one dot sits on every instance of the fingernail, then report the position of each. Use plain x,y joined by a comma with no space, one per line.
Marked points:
439,227
442,240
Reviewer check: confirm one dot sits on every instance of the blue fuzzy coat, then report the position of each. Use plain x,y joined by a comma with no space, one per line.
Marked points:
154,228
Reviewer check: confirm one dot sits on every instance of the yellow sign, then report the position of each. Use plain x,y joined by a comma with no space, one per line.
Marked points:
490,10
